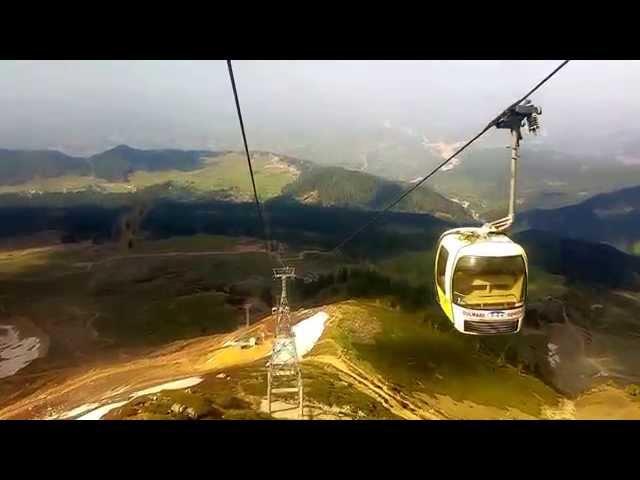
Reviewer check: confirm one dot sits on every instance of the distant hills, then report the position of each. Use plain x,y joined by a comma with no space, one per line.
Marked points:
20,166
304,196
546,179
197,173
479,181
612,218
119,162
581,261
549,178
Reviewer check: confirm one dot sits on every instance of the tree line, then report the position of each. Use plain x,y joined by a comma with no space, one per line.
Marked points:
363,282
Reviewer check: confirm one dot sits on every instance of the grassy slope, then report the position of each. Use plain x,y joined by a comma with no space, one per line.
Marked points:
152,301
227,175
417,358
334,186
610,317
323,386
611,218
541,284
225,172
416,267
119,162
156,300
163,298
141,300
68,183
232,398
193,243
144,300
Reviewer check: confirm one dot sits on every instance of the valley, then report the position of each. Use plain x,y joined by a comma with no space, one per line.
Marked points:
550,178
193,175
612,218
176,245
149,333
123,294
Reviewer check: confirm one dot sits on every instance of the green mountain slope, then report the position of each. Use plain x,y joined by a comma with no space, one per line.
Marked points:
581,261
612,218
19,166
23,166
117,163
335,186
197,173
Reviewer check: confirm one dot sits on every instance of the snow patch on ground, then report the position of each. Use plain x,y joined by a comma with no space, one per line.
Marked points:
308,331
79,410
100,412
15,352
175,385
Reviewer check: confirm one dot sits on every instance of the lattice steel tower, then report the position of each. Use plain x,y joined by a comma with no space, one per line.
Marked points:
284,376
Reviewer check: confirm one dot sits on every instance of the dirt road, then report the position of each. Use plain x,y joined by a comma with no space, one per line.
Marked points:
102,384
376,387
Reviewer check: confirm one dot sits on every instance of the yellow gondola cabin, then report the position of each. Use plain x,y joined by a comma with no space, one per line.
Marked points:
481,281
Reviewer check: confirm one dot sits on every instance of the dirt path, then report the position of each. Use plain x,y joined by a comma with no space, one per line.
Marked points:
398,402
375,386
106,384
629,295
581,335
90,265
300,256
239,251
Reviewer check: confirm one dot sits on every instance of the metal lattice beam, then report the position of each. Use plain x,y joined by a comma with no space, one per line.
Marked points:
284,375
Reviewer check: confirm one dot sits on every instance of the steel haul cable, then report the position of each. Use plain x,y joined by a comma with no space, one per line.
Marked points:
380,213
435,170
265,225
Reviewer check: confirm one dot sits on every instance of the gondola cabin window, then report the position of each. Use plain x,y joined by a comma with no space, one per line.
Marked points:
489,282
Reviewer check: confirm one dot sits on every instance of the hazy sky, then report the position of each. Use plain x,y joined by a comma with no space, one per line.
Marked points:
85,106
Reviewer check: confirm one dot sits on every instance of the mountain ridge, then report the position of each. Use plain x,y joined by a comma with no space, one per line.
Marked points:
19,166
612,218
198,173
